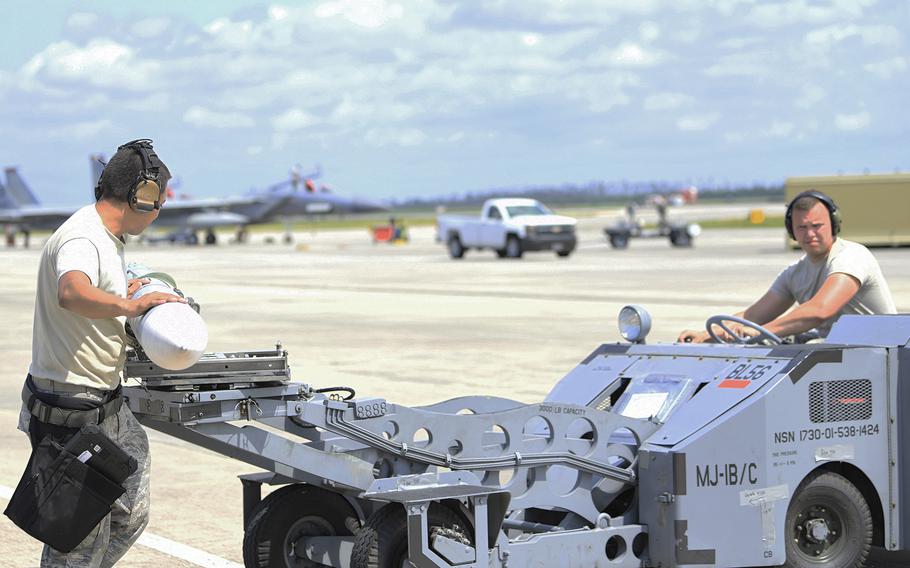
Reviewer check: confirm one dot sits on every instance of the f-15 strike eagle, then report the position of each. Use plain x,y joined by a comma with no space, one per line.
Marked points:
21,211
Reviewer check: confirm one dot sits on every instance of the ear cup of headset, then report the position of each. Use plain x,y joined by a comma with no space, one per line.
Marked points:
145,197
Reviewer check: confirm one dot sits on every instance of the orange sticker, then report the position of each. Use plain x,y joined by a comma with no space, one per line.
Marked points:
734,384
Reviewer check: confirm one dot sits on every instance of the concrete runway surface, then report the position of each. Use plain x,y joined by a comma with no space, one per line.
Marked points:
401,322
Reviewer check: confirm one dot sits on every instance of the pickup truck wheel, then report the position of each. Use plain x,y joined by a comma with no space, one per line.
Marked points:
828,524
456,249
563,253
383,540
288,514
513,247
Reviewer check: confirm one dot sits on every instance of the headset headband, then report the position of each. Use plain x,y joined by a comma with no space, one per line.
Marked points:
143,147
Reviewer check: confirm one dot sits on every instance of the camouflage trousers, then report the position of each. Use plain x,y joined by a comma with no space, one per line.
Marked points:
117,532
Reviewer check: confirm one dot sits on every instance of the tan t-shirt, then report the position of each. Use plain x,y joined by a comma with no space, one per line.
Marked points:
803,279
66,346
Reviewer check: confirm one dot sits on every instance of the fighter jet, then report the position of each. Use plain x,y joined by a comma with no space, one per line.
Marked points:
308,200
20,209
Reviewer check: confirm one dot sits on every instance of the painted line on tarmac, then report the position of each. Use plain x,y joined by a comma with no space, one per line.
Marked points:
184,552
166,545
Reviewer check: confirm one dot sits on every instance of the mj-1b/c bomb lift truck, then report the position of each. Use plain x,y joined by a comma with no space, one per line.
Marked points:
665,455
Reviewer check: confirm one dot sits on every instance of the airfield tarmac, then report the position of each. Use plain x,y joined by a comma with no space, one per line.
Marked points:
401,322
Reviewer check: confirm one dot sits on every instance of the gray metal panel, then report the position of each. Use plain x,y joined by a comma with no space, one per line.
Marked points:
891,330
903,425
696,350
686,556
812,359
716,398
607,349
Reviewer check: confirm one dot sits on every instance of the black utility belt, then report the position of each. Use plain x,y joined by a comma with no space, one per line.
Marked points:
42,406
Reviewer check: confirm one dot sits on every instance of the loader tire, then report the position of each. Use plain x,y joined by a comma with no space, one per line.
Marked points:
619,240
383,540
289,513
828,524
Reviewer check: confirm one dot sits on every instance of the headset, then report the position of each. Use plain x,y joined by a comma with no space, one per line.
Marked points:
146,193
833,211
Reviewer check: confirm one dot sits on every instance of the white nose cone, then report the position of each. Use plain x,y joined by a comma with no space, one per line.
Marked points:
173,335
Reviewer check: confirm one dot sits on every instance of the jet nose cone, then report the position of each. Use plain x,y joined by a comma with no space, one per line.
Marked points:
366,206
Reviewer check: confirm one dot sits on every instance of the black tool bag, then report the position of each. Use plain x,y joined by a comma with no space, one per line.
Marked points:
66,490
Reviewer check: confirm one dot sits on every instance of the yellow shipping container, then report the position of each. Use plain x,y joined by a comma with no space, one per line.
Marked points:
874,208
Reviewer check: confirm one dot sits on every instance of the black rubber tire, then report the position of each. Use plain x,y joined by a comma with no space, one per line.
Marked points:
383,540
513,247
619,241
501,253
456,249
210,238
315,511
680,238
564,253
831,497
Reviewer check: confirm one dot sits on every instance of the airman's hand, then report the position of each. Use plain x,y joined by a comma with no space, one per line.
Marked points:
134,284
691,336
146,302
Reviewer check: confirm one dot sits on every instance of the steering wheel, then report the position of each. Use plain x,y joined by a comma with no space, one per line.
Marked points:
719,321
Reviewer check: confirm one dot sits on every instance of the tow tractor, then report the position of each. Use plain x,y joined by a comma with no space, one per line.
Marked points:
643,455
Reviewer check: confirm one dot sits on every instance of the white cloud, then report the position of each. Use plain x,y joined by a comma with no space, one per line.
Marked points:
292,119
228,34
403,137
825,38
81,20
278,13
697,122
755,63
88,104
666,101
102,62
155,102
810,96
856,121
792,12
364,13
149,28
778,129
80,130
199,116
626,54
530,40
648,31
600,91
575,12
887,68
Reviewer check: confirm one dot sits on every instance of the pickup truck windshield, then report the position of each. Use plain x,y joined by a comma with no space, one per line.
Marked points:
517,210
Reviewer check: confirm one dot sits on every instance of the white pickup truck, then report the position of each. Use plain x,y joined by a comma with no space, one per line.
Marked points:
510,227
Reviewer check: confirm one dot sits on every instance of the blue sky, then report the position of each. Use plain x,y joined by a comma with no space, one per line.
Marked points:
406,98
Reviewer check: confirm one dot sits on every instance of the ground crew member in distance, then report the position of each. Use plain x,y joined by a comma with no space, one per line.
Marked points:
834,277
79,341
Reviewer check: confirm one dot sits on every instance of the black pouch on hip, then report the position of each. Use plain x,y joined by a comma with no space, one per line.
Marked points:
66,490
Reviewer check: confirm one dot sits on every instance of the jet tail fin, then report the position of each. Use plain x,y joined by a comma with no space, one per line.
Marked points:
17,190
6,202
97,162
